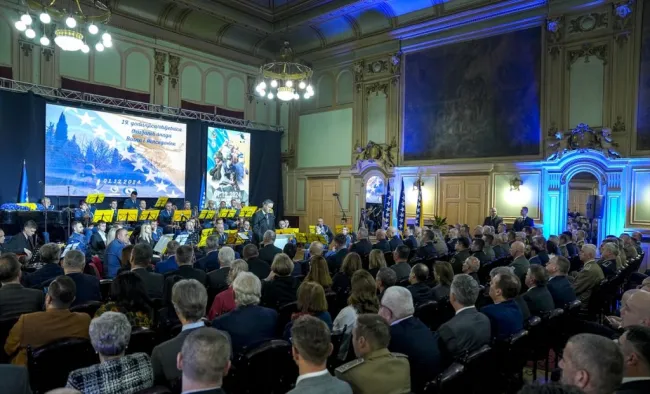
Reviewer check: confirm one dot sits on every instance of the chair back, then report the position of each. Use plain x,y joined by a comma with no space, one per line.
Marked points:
427,312
155,390
5,326
333,361
388,256
449,381
573,308
105,287
50,365
143,340
284,315
89,308
272,366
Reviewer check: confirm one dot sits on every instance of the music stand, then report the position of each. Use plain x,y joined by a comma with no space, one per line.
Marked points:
103,214
161,202
127,215
301,238
206,215
232,237
68,248
339,228
150,215
247,212
182,215
95,198
161,245
205,233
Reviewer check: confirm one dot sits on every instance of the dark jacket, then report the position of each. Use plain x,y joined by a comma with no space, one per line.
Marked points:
411,242
218,279
279,291
87,288
608,267
341,285
395,242
440,291
268,252
499,252
427,251
363,247
16,300
163,359
539,300
466,332
18,243
482,257
14,379
97,246
458,260
209,262
635,387
521,222
505,319
335,261
543,257
493,221
259,267
248,325
260,224
561,291
412,338
153,282
402,270
382,245
48,272
572,249
421,293
183,272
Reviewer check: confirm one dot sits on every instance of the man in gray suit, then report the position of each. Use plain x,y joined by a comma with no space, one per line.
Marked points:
311,345
16,300
189,298
469,330
520,262
14,380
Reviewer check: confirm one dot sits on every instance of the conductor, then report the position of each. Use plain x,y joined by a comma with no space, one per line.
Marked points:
263,220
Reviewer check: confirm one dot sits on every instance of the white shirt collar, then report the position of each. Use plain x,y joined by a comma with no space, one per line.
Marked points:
311,375
463,308
634,379
202,390
400,320
190,326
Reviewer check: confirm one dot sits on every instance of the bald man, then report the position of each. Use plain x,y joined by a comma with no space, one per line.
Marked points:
636,311
520,263
616,321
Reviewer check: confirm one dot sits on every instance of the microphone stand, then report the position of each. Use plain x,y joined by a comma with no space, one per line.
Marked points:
343,217
46,235
69,232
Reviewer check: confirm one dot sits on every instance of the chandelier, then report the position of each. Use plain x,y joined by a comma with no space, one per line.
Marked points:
288,79
65,22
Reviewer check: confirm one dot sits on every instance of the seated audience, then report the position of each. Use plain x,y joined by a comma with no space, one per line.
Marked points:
248,324
477,251
125,261
592,363
342,279
146,235
97,244
393,238
409,336
443,275
210,261
311,346
629,246
452,239
541,253
15,299
439,243
116,372
386,278
268,251
635,346
376,261
186,270
224,302
129,296
280,287
290,250
607,262
189,299
539,299
462,253
169,264
56,322
335,259
488,249
409,239
312,302
257,266
140,260
558,283
382,244
471,267
420,291
636,311
87,285
401,267
519,261
319,272
218,279
505,316
589,276
376,370
51,269
113,260
363,245
204,360
427,249
469,329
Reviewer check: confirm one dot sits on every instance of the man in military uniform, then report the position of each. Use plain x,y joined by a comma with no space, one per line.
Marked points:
591,274
376,370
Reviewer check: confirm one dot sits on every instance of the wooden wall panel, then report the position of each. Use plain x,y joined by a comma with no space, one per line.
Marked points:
464,199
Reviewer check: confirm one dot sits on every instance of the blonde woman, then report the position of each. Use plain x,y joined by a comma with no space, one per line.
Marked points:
376,262
145,236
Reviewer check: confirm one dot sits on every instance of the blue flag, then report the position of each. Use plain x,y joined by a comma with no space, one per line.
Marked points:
202,197
388,204
418,209
23,194
401,210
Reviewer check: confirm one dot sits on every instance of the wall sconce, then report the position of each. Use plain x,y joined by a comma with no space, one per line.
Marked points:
515,184
418,183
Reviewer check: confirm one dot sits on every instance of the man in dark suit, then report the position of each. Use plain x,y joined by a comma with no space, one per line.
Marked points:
635,346
571,247
50,255
523,221
248,324
409,336
469,329
268,251
471,267
401,267
132,202
153,282
166,215
505,316
87,285
420,291
14,380
210,261
14,298
97,244
184,258
539,299
382,244
477,251
607,262
334,261
462,253
409,239
558,284
363,245
189,300
23,242
324,230
204,350
427,250
520,263
257,266
263,220
493,220
393,238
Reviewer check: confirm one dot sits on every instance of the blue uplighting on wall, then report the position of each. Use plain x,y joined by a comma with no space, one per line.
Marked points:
402,7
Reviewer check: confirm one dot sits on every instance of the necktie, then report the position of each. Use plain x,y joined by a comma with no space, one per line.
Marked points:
267,219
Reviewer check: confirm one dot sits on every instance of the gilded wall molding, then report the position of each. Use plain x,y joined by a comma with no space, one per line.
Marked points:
587,51
554,35
358,69
174,62
160,58
623,21
377,87
588,22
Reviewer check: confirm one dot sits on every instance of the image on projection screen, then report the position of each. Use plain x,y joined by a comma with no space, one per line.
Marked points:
227,175
100,152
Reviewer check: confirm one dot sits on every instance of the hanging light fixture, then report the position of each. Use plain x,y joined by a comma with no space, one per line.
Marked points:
73,18
285,79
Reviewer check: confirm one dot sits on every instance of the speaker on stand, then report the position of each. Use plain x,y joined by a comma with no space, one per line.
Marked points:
595,210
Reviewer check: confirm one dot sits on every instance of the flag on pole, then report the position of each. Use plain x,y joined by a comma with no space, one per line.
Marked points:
388,203
418,209
202,197
401,210
23,195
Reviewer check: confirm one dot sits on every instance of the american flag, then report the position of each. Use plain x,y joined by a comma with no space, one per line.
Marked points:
418,208
388,203
401,210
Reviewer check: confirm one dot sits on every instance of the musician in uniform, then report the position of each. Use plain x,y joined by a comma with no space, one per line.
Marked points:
113,208
220,232
78,237
377,370
83,213
46,205
165,216
132,202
